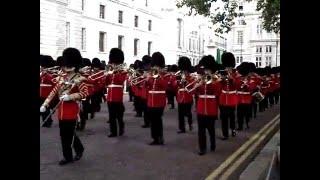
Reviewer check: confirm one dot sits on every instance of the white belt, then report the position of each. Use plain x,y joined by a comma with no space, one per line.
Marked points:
45,85
115,85
241,92
229,92
157,92
207,96
182,89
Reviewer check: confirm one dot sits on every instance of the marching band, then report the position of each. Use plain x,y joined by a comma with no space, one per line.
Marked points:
75,87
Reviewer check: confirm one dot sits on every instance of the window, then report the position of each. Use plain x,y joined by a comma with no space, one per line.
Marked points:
257,49
120,42
240,37
102,7
260,49
82,4
149,25
102,41
241,59
258,61
67,34
136,21
270,48
136,44
189,44
179,33
259,29
240,6
120,18
193,45
149,47
146,2
83,38
238,59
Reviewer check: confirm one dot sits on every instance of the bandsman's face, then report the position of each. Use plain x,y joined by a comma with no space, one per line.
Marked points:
68,69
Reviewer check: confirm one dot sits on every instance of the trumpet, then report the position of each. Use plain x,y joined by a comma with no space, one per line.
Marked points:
85,70
110,68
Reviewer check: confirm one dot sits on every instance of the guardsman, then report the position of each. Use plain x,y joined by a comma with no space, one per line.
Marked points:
277,84
245,89
128,85
85,103
228,100
172,69
208,90
264,87
46,86
146,65
183,97
97,95
70,89
115,81
156,84
138,104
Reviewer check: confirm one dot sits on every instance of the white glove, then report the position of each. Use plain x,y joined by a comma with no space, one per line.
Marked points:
65,97
43,109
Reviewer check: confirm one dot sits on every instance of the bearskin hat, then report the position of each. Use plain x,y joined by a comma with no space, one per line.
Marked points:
116,56
244,68
184,63
267,70
86,62
96,63
59,61
228,60
46,61
157,59
138,64
173,68
252,67
71,57
208,62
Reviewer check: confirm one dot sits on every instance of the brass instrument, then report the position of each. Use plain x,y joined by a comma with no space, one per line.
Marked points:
111,68
206,78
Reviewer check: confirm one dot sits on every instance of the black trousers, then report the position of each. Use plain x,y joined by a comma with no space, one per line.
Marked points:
68,136
116,110
277,96
170,97
138,105
131,97
271,99
227,114
96,100
243,112
206,122
45,114
86,109
184,110
156,123
146,118
254,107
263,105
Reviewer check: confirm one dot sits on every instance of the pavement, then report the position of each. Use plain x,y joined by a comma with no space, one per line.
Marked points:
130,156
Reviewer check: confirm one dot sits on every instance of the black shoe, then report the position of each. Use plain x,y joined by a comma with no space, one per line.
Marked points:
202,153
233,133
248,127
161,141
213,149
154,143
239,129
92,116
64,162
180,132
112,135
224,138
145,126
78,156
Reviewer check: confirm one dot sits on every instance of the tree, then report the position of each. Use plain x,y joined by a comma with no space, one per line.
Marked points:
270,12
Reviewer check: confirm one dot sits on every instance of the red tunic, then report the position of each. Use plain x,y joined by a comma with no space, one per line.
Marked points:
156,88
115,86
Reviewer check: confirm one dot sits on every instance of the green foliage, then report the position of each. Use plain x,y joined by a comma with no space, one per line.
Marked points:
270,13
